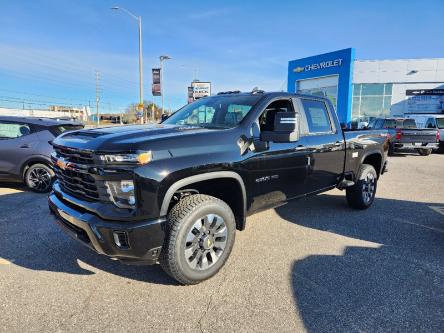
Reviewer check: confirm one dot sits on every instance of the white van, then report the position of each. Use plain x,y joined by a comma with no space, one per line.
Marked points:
430,121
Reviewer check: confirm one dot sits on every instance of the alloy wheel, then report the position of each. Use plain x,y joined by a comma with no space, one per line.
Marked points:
368,187
39,179
205,242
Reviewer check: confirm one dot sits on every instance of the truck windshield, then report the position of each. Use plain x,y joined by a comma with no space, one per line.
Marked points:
440,123
214,112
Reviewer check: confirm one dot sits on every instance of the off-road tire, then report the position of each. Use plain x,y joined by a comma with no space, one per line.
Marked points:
357,196
424,152
39,178
181,219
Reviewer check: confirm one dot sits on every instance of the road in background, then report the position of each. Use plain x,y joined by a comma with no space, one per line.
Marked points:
312,265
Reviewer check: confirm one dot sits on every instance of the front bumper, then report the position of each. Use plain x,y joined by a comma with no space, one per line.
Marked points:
130,242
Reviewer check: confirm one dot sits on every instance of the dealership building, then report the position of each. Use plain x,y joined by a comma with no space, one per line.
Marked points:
364,89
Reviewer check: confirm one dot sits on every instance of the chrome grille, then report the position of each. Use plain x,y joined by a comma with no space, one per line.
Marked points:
77,183
74,155
75,178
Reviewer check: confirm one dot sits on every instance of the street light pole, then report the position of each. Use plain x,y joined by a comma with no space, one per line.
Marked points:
162,59
139,20
140,71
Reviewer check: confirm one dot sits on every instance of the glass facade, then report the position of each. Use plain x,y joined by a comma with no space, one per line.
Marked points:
330,92
370,100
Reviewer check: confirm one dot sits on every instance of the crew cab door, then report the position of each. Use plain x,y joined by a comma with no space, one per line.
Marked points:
326,145
15,146
276,170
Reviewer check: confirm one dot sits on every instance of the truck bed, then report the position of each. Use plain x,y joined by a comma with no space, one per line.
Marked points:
414,135
361,143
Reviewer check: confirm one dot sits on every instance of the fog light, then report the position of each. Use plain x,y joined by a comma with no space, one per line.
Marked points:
122,193
121,239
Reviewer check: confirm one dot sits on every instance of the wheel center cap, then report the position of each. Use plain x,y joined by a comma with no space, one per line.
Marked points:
207,242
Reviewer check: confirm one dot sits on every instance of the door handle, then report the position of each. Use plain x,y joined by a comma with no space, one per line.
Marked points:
25,146
300,147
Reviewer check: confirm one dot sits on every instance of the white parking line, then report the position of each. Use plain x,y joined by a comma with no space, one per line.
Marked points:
419,225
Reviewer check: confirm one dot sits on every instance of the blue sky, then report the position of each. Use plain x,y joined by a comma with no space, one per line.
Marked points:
50,49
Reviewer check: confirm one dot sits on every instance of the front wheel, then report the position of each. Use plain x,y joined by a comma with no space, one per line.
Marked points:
199,240
362,194
39,178
424,152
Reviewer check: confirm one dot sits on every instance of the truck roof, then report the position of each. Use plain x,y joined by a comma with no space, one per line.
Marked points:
263,93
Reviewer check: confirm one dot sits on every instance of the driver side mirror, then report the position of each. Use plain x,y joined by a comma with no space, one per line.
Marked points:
163,117
286,128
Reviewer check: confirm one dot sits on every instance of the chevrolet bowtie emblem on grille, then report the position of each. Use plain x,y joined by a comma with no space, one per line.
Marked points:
61,163
298,69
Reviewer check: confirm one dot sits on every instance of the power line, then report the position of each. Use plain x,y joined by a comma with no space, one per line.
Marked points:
40,95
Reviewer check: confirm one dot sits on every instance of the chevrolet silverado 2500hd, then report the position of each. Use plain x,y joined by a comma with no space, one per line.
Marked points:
176,192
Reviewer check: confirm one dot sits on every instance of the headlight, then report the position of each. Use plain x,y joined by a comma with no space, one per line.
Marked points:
140,158
122,193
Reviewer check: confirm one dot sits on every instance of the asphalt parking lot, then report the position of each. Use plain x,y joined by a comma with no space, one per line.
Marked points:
314,265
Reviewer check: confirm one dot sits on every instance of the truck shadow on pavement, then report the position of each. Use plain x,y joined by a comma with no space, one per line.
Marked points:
30,238
394,284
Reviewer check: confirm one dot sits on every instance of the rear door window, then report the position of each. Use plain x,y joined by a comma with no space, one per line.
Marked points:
317,115
13,130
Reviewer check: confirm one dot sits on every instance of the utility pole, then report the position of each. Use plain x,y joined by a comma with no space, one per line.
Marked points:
97,96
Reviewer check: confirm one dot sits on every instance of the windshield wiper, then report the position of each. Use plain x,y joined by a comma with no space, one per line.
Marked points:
211,126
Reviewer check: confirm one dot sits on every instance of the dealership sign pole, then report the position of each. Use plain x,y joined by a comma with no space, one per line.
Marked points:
156,86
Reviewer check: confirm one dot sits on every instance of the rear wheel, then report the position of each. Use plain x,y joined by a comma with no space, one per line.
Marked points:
362,194
424,152
39,178
199,240
391,150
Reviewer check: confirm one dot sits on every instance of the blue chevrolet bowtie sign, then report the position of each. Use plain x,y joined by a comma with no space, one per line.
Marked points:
338,63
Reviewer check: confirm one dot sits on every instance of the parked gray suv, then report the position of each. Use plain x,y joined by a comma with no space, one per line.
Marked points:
25,149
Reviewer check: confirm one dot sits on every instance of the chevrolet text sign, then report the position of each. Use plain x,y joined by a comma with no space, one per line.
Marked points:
320,65
338,63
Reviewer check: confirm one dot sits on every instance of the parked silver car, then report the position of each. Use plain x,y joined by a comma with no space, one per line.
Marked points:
25,149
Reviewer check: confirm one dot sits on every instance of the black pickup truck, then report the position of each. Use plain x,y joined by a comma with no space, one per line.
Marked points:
176,192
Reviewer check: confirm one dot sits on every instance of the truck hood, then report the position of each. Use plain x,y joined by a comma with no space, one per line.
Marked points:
128,138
